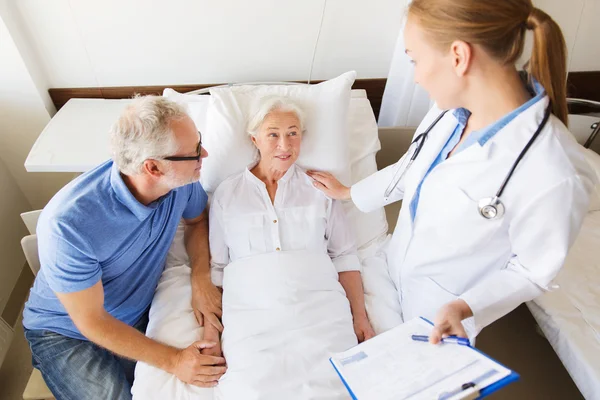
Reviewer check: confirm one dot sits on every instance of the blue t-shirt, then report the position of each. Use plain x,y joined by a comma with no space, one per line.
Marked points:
94,229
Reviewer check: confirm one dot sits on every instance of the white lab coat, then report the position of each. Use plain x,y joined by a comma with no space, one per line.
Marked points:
450,251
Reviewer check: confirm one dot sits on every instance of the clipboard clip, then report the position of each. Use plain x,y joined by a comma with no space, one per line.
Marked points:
468,391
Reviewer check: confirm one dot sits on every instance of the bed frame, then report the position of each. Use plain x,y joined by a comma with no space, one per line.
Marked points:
582,85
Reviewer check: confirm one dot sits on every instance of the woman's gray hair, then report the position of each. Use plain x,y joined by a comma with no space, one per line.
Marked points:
144,131
267,105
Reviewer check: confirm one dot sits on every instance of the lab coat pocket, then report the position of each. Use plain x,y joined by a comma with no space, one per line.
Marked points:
475,231
457,226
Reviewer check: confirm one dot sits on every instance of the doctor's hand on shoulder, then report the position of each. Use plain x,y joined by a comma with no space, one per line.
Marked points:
448,321
329,185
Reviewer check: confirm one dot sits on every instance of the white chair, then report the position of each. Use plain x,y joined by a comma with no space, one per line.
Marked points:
36,388
31,219
29,242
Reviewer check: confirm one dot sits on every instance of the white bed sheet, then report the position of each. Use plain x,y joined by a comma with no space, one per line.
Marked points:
570,316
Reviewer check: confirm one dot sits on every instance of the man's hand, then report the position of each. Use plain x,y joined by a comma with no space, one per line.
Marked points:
363,329
206,302
190,366
448,321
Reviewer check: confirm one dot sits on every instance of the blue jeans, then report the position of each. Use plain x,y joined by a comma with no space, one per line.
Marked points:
78,369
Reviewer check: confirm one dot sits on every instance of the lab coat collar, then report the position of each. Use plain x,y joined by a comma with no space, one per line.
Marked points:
517,133
511,138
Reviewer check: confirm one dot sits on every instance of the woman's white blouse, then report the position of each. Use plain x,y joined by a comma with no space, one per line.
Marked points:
244,222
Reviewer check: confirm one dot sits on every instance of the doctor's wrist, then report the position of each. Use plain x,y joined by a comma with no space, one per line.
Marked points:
346,193
462,308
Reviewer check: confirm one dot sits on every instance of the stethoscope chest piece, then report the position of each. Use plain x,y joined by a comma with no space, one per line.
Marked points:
491,208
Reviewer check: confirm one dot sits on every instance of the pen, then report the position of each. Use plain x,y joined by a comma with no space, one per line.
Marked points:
448,339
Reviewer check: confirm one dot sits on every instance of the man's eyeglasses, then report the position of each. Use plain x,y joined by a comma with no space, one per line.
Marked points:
188,158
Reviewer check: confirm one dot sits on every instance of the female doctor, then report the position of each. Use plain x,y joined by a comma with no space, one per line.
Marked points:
495,189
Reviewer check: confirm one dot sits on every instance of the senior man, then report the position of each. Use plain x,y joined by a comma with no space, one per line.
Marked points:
103,241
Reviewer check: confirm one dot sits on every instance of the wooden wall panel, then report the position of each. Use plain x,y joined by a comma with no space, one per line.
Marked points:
373,87
585,85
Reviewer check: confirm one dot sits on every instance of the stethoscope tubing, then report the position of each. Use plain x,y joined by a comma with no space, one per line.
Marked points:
419,141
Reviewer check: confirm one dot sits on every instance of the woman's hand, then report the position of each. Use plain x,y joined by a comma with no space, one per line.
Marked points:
329,185
214,351
206,302
448,321
363,329
211,334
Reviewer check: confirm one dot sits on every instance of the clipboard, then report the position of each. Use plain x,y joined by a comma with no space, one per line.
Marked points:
368,371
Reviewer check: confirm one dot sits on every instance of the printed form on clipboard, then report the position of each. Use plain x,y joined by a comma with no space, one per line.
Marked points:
394,366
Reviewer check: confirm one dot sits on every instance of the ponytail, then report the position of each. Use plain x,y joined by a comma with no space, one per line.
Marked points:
548,63
500,27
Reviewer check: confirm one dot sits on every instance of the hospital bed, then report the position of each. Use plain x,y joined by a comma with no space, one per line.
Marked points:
172,296
570,317
61,147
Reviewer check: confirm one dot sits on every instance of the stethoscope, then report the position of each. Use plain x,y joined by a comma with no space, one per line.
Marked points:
489,207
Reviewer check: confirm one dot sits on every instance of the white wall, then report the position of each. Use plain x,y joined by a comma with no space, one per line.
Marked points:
139,42
586,49
578,20
13,21
23,115
12,229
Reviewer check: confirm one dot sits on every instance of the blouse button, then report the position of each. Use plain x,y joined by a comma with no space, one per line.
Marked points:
274,221
278,249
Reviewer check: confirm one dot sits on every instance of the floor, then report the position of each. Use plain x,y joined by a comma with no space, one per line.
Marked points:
513,341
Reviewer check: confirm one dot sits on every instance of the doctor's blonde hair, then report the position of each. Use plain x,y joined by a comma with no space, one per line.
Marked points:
499,26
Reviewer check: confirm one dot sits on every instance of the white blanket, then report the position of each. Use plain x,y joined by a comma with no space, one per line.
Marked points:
284,314
172,322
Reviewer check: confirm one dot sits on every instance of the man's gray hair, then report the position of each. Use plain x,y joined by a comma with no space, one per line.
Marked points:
267,105
144,131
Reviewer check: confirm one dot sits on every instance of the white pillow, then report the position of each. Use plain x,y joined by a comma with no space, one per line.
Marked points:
369,228
363,144
196,105
364,134
324,145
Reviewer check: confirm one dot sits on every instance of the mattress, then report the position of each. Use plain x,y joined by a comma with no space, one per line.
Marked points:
570,316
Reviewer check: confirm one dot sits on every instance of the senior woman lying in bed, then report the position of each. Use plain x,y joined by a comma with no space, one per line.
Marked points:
273,207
